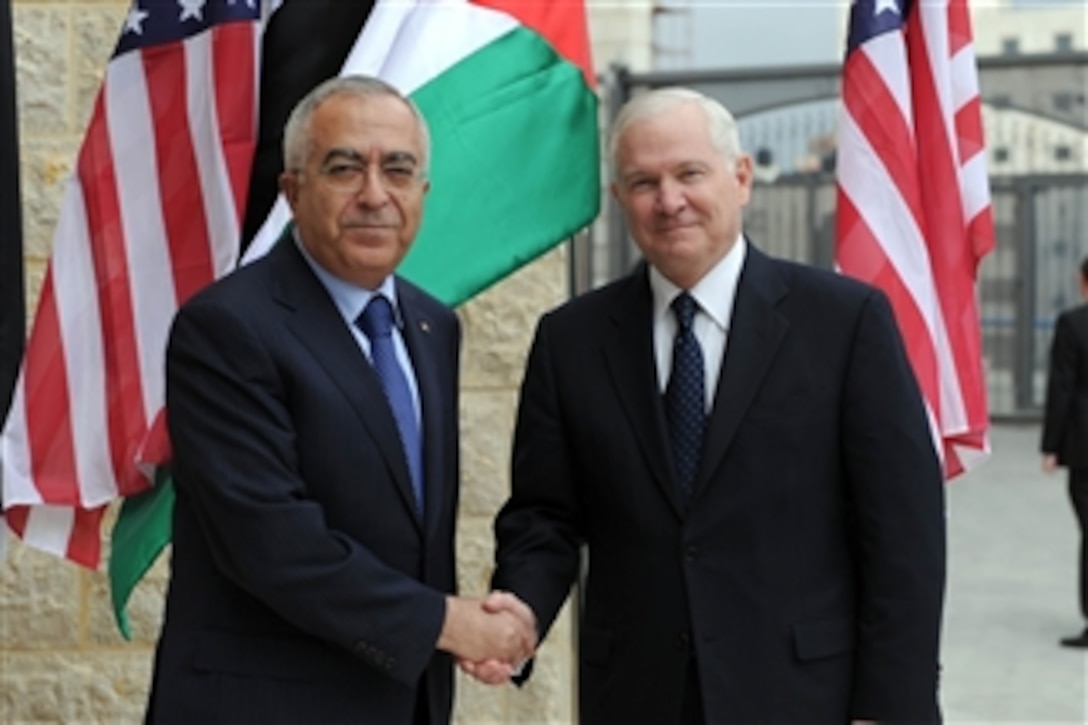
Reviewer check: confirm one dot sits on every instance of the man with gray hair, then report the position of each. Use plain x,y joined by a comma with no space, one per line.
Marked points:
740,445
312,406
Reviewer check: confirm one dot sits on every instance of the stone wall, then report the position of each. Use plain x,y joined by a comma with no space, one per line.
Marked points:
61,657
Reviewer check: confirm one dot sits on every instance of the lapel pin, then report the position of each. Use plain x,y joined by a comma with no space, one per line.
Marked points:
425,326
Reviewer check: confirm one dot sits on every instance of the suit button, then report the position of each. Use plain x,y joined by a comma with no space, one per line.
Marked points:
683,641
691,553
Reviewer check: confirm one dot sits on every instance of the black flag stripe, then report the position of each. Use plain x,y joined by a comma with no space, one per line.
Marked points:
306,42
12,302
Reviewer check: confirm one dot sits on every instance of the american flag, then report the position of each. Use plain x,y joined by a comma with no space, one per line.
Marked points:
914,213
151,214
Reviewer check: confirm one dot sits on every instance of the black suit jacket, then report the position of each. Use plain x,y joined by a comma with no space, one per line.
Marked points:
1065,423
303,586
806,573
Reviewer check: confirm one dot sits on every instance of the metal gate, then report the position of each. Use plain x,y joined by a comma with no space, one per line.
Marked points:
1041,219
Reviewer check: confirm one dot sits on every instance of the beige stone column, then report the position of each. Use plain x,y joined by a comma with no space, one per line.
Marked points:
498,328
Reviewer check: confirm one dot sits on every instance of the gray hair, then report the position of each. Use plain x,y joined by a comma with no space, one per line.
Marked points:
296,133
720,122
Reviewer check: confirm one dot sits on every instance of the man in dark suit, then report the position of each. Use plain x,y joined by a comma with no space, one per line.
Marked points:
312,402
740,445
1065,424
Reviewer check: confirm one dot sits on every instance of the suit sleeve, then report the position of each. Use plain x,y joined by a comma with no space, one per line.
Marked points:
538,531
236,465
896,493
1060,386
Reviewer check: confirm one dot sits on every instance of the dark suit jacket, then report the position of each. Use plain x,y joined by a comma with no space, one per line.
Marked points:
303,586
1065,424
805,575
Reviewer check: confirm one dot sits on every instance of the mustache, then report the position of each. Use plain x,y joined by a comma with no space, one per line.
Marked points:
365,221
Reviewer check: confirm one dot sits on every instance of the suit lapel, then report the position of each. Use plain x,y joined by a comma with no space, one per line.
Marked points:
317,324
629,356
755,335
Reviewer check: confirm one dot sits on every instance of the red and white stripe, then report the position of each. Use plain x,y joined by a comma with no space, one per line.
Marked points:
151,215
914,213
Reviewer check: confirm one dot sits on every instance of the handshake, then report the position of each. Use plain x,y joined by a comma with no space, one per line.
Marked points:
491,638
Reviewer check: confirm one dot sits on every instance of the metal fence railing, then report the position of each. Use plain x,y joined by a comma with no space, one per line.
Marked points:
1042,234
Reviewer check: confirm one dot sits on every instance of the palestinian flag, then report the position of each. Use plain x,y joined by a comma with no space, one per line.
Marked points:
508,92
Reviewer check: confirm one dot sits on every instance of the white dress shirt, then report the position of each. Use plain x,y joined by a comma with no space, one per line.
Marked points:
715,294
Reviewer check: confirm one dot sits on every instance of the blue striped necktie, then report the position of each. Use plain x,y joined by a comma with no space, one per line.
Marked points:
685,394
376,322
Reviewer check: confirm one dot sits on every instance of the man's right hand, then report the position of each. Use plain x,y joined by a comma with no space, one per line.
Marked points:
499,631
495,672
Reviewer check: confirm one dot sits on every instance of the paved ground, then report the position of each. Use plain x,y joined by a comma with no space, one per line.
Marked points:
1012,592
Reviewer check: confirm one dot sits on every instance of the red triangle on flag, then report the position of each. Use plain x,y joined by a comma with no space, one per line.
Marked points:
563,24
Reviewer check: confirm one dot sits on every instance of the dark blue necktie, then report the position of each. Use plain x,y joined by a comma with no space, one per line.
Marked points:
685,397
376,322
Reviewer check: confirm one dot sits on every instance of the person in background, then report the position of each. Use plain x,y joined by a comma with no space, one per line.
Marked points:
312,406
1065,425
740,445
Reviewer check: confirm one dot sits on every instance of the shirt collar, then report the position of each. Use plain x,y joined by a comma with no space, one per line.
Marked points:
715,292
350,299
